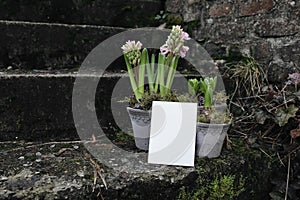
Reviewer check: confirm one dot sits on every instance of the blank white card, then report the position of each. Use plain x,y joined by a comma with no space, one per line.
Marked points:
172,133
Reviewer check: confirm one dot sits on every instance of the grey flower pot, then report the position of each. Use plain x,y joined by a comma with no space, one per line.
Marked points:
210,139
141,121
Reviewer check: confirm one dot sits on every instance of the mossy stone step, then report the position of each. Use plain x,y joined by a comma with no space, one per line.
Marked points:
31,45
53,46
129,13
37,105
65,171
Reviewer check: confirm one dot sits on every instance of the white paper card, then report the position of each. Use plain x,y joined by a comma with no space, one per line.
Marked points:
173,133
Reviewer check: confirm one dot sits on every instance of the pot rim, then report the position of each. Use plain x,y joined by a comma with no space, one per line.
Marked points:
201,124
137,110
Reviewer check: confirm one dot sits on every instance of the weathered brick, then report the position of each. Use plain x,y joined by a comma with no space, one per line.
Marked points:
275,28
291,53
215,50
193,12
294,11
229,31
253,7
262,51
173,6
278,71
220,10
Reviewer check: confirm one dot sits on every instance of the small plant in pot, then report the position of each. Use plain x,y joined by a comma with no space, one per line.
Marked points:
213,121
160,71
204,90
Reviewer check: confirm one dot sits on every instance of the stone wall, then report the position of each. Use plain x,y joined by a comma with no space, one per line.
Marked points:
266,29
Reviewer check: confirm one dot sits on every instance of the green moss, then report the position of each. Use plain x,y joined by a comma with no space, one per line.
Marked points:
168,18
214,116
121,136
175,20
148,98
236,174
225,187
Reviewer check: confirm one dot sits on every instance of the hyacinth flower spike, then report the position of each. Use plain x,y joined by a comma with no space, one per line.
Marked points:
132,56
173,49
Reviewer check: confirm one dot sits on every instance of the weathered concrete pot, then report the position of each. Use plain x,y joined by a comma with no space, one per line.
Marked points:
210,139
141,121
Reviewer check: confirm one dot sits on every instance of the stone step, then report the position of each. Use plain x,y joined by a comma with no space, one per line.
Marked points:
65,170
38,105
129,13
33,45
50,46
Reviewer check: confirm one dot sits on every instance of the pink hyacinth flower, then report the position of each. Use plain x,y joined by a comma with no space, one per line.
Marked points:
164,49
131,46
185,36
183,51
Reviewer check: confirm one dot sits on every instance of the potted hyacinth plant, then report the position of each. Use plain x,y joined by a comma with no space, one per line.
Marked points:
160,71
199,88
213,118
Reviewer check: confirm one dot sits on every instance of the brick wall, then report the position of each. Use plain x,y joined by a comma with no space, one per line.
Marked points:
269,30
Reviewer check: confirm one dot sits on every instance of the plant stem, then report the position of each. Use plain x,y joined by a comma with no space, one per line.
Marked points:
150,72
132,80
160,73
142,66
287,178
171,74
